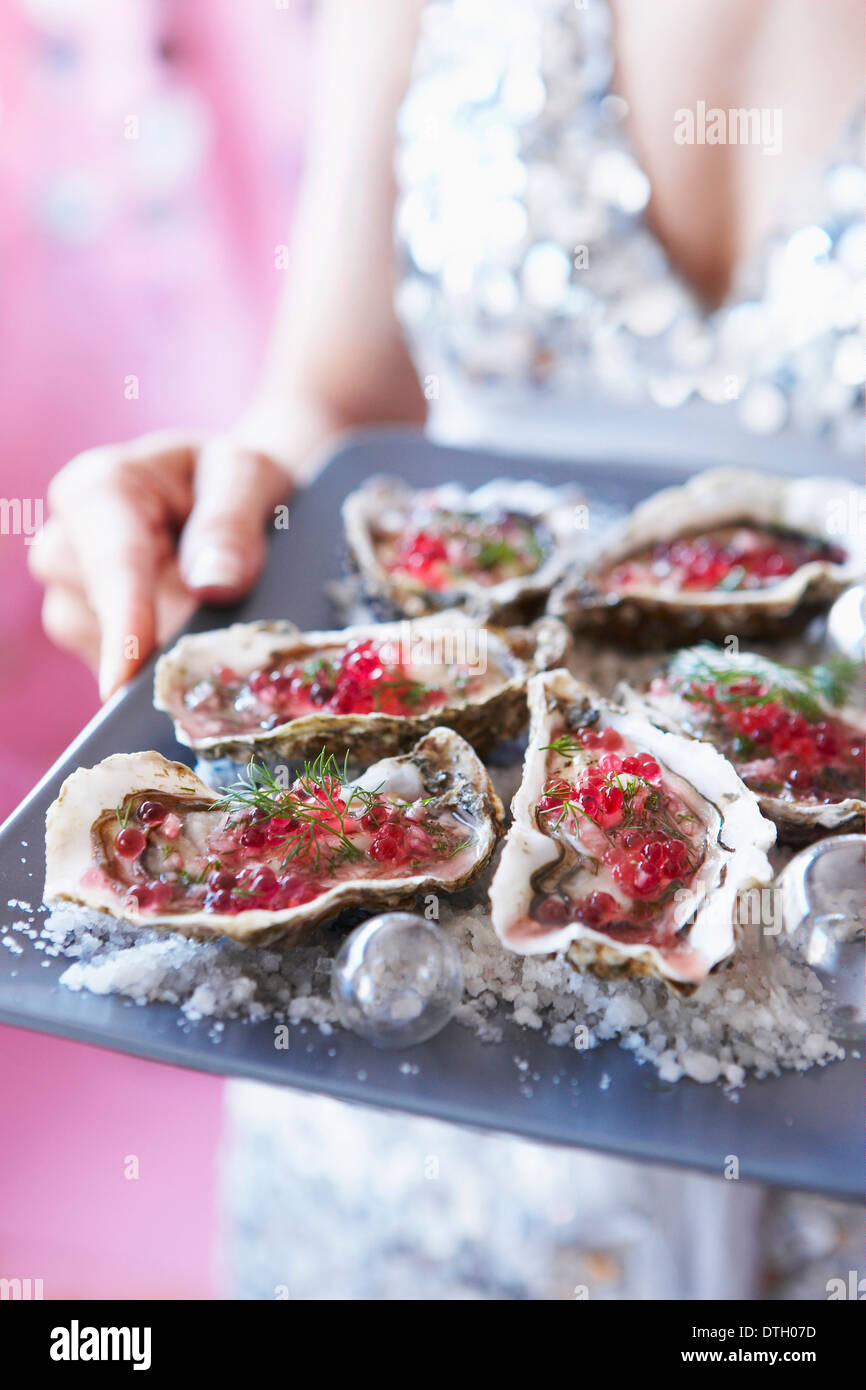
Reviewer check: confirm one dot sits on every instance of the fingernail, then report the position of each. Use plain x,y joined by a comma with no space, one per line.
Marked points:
213,568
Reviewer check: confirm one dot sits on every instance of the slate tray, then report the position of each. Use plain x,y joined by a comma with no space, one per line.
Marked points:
797,1130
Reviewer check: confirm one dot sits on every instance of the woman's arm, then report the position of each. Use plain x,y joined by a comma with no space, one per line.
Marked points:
337,348
116,582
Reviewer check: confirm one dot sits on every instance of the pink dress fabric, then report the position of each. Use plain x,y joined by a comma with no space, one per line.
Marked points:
149,154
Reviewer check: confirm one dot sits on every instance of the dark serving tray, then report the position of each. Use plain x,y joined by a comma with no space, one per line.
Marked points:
799,1130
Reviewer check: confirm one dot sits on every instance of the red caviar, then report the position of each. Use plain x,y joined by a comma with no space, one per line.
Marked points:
737,558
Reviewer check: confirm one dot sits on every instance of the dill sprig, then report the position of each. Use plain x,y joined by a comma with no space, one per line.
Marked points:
800,688
566,746
322,787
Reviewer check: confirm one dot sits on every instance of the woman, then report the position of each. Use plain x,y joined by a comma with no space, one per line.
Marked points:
570,218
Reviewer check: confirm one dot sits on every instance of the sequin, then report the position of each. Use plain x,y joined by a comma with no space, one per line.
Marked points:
525,257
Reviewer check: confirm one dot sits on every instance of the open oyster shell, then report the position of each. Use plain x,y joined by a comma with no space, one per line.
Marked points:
441,775
796,819
828,510
482,671
384,509
694,929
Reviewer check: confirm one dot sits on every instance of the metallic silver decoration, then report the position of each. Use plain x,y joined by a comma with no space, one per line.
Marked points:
397,979
824,920
846,624
526,257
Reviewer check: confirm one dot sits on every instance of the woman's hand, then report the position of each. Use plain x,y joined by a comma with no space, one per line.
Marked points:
138,533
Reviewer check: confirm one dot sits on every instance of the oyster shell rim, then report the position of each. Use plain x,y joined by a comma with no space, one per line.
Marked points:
711,498
490,602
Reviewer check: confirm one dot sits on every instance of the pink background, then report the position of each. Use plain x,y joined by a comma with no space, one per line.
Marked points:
151,256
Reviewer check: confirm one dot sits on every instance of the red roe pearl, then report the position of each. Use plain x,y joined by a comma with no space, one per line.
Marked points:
598,907
152,812
387,847
130,843
264,881
221,879
254,837
553,911
149,897
645,878
588,803
611,763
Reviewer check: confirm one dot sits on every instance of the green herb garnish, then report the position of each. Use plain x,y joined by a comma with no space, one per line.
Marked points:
798,688
324,781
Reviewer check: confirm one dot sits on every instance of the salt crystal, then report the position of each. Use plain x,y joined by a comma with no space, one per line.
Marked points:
701,1067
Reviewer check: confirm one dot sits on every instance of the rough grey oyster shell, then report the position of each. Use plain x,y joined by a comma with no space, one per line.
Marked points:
795,821
509,658
829,509
390,500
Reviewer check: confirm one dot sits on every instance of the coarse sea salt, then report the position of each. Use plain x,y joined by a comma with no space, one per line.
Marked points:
761,1014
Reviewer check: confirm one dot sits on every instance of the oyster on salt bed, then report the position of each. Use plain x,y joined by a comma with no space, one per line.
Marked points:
730,551
267,687
786,730
496,551
143,839
629,845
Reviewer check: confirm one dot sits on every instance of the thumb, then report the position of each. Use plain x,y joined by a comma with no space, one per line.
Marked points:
222,546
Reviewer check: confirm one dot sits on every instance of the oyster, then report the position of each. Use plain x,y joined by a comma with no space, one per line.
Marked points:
629,846
785,729
496,551
375,688
731,551
145,840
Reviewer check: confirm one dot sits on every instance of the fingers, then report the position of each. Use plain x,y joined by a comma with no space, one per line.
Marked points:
103,565
113,513
118,554
106,553
222,546
69,622
175,604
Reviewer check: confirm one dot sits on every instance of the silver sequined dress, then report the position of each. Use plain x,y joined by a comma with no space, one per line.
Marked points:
527,266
